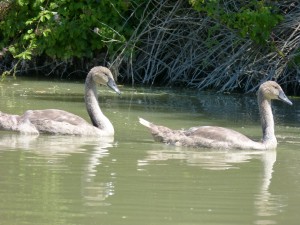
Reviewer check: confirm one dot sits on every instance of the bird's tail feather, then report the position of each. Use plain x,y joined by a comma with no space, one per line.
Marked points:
145,122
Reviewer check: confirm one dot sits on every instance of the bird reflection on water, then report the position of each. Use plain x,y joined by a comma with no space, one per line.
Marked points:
266,203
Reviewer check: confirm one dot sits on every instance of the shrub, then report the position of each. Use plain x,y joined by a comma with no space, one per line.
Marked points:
63,29
252,19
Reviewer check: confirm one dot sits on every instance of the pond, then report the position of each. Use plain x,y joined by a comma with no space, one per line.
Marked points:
133,180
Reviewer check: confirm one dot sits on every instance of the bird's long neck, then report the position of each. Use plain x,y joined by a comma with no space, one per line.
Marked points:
267,121
91,100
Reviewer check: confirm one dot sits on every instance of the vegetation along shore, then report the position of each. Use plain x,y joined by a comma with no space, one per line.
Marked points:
203,44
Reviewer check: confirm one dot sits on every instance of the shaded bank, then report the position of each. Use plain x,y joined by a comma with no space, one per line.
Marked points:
169,43
181,46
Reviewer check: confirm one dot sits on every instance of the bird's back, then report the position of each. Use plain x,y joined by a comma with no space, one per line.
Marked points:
55,121
54,115
203,136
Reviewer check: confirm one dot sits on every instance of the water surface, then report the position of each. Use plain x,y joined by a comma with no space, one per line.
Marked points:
131,179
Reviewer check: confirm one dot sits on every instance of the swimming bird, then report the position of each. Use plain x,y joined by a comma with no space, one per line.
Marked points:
55,121
224,138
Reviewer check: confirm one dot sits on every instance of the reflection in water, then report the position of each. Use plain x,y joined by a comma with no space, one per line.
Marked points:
207,159
56,148
96,191
51,144
266,204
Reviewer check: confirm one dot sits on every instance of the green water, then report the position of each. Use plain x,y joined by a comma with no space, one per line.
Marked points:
132,180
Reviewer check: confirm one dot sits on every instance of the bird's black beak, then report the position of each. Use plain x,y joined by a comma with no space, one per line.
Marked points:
283,98
112,84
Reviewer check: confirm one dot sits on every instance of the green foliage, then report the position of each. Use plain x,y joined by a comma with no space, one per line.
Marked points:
253,19
64,28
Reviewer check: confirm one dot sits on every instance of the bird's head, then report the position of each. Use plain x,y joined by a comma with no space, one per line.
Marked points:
272,90
102,75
